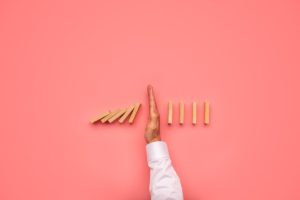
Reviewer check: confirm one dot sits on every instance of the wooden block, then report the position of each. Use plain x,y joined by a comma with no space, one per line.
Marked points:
117,115
170,113
126,114
99,117
134,112
181,113
194,113
206,113
110,115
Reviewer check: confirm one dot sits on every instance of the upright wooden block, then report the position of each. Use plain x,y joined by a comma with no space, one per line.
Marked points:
126,114
206,113
181,113
134,112
117,115
102,115
194,113
170,113
110,115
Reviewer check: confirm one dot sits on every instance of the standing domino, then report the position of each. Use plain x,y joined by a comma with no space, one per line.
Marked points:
181,113
194,113
206,113
170,113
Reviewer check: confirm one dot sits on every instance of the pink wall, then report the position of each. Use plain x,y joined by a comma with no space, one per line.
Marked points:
64,61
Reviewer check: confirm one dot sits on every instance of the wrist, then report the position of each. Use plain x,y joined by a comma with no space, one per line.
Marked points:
153,140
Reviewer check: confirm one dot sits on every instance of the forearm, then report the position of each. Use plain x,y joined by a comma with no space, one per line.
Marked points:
164,182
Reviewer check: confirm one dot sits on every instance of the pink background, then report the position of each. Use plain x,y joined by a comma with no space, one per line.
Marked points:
63,62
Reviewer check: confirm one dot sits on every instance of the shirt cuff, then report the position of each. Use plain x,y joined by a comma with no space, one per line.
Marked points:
157,150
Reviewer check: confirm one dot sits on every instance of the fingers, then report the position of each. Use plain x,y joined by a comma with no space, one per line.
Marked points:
153,125
152,103
151,96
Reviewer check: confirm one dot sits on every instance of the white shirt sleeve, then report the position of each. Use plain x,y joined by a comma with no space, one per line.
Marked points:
164,182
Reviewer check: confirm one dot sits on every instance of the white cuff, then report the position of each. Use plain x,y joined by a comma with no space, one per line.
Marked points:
157,150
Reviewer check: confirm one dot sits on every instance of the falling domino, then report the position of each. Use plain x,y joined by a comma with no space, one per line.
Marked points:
102,115
117,115
126,114
194,113
170,113
206,113
134,112
106,118
181,113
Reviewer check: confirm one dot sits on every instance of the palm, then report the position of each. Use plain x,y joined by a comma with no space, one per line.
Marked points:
153,126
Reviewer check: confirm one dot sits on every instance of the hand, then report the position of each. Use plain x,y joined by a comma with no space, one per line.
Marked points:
152,133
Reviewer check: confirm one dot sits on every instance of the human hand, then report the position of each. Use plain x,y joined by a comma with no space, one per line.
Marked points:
152,132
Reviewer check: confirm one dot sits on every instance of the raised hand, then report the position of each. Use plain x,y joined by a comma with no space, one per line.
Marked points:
152,133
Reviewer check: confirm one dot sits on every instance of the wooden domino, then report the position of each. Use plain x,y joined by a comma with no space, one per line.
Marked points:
134,112
206,113
117,115
181,113
110,115
170,113
194,110
126,114
102,115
